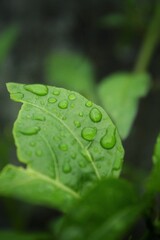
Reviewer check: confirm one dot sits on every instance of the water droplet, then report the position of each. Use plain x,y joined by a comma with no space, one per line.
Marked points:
81,114
32,144
63,147
56,92
63,104
95,115
72,96
108,141
39,153
82,164
67,168
30,130
89,133
52,100
89,104
37,89
73,155
17,96
39,117
77,124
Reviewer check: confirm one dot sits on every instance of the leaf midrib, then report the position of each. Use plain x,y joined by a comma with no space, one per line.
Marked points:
70,131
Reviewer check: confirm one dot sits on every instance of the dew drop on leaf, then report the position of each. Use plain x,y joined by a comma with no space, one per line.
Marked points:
39,117
72,96
30,130
63,104
82,164
37,89
88,104
108,141
52,100
95,115
32,144
81,114
63,147
67,168
77,124
56,92
39,153
89,133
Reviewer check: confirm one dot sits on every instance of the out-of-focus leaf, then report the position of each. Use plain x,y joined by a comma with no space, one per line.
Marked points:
67,142
113,20
72,71
7,235
7,39
107,212
153,182
120,94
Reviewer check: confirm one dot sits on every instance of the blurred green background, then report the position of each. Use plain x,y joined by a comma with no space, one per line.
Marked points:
82,46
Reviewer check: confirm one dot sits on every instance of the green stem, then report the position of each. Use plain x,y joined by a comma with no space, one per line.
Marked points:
150,42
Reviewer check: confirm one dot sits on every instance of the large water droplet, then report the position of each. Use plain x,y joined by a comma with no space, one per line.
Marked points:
77,124
52,100
72,96
63,104
56,92
95,115
67,168
63,147
89,133
88,104
38,89
30,130
108,141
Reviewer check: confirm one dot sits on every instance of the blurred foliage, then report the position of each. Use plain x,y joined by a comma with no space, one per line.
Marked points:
120,94
72,71
7,39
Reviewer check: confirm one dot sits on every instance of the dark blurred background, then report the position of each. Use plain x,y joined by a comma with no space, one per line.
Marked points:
110,34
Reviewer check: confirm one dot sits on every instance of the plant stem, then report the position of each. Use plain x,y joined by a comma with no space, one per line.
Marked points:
150,42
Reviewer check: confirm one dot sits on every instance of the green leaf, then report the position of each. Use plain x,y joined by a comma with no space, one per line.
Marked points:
7,39
72,71
7,235
153,183
66,142
106,212
119,94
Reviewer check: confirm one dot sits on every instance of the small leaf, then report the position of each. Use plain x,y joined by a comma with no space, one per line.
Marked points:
7,39
71,71
119,94
58,136
153,183
106,212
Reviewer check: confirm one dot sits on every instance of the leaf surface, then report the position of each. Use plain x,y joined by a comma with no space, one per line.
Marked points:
72,71
119,94
106,212
67,143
